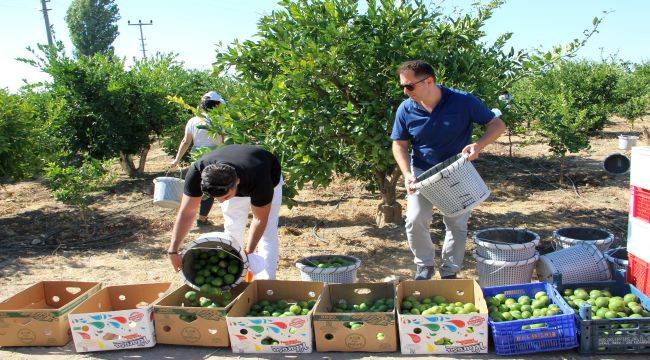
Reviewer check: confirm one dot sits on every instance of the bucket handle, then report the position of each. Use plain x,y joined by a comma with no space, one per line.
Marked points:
180,172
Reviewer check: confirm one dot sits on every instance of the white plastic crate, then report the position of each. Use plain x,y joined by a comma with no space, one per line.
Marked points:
638,239
640,168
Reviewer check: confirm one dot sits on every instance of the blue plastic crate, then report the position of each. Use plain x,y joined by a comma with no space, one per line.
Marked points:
607,336
559,333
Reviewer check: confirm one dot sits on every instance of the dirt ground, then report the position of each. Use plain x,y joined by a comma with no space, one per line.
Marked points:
122,239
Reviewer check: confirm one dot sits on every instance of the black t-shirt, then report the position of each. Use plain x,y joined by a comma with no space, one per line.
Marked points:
257,169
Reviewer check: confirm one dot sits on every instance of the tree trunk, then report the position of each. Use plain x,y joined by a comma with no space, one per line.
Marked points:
143,159
562,157
127,164
389,211
510,141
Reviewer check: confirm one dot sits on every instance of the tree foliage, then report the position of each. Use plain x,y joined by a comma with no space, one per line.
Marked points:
568,104
319,86
633,91
104,110
74,184
20,138
92,25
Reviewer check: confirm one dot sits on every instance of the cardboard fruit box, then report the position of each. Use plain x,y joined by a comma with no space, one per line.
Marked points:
38,315
272,334
116,317
443,333
377,331
187,325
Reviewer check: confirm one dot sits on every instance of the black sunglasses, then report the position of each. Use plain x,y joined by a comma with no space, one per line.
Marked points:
411,87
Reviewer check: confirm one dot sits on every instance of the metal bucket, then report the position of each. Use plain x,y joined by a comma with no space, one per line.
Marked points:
212,243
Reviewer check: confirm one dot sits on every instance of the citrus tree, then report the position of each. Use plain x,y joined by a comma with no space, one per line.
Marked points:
103,110
20,138
568,103
634,93
319,87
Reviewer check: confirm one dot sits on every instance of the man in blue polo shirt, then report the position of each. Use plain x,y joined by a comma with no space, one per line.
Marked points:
437,122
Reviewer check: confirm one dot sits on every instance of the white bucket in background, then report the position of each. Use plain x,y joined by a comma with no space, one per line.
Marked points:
168,192
625,142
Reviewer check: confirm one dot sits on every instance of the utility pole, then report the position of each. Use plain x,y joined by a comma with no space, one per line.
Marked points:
48,27
141,24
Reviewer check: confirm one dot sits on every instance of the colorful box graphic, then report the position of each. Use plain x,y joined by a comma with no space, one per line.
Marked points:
116,317
291,334
443,333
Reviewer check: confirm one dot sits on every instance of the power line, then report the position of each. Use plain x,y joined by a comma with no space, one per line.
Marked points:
141,24
48,27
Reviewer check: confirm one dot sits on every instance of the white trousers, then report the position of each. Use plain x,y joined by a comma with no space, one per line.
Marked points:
235,215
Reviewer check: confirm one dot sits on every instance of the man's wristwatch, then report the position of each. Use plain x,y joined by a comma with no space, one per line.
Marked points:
172,252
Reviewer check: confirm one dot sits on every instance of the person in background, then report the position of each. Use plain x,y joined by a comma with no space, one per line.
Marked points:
436,122
197,135
243,178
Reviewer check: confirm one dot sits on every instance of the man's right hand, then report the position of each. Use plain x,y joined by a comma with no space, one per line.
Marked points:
177,261
409,180
173,164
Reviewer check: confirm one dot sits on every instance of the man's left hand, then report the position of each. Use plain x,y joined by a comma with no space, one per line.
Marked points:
471,151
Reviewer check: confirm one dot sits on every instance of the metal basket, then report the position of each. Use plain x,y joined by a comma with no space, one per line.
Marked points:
506,244
493,272
570,236
576,264
340,275
213,240
453,186
617,258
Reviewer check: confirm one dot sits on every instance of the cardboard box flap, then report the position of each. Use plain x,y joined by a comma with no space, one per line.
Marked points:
353,293
123,297
58,294
34,294
138,295
274,290
47,295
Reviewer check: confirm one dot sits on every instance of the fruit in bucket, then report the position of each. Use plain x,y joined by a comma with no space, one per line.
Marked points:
214,269
329,262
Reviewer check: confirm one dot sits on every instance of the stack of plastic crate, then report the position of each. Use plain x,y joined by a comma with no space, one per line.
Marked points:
638,241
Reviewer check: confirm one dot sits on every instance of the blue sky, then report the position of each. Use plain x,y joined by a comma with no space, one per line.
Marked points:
192,28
